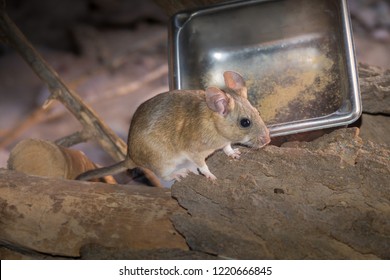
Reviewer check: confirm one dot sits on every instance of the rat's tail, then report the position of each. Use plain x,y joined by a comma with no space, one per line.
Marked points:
104,171
117,168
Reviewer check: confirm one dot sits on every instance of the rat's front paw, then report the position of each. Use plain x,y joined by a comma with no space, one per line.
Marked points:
236,154
233,153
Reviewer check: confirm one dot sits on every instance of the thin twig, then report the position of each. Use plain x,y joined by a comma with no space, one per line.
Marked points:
71,140
93,127
40,114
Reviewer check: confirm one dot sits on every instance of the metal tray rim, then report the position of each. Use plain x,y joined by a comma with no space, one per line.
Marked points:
333,120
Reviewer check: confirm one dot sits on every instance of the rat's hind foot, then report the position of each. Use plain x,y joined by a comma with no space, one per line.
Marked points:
204,170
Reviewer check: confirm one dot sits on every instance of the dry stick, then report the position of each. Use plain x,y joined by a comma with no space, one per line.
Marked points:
40,114
118,91
93,127
37,116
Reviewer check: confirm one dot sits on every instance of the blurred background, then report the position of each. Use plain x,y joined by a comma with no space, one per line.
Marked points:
114,54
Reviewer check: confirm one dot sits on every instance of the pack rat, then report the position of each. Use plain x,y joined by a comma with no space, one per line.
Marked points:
174,132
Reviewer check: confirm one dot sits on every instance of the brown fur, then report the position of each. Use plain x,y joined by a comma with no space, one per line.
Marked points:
174,132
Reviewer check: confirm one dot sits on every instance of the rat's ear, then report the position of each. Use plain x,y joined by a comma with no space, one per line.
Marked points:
217,100
236,82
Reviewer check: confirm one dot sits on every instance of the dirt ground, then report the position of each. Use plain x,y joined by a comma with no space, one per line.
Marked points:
115,57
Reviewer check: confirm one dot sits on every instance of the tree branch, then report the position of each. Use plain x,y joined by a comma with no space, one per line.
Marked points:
93,127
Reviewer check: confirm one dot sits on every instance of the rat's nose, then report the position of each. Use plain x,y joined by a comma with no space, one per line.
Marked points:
265,137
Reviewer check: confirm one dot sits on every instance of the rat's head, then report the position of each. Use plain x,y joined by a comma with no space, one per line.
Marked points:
237,119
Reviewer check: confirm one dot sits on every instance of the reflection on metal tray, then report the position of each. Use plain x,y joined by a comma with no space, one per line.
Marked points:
297,57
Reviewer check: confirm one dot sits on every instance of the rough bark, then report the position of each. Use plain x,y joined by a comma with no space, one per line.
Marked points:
58,217
375,88
326,199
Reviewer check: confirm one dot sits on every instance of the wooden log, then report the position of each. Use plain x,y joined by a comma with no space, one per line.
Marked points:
59,217
326,199
44,158
375,89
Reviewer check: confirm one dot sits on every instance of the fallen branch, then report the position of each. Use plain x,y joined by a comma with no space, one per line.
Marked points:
93,127
59,217
41,115
326,199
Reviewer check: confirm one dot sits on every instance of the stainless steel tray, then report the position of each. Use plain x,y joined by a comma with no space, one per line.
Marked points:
297,57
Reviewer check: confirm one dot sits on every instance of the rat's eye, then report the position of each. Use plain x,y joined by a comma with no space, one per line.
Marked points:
244,122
